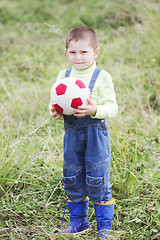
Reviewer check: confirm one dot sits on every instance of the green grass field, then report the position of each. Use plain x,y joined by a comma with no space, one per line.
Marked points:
32,42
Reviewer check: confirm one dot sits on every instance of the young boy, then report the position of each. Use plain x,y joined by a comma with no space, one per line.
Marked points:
87,152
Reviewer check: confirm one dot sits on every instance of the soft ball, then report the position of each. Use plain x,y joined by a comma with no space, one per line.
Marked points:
68,93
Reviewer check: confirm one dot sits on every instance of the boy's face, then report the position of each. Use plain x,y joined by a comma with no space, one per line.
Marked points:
80,54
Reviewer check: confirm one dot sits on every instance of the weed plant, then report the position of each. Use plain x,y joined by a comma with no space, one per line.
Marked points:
32,40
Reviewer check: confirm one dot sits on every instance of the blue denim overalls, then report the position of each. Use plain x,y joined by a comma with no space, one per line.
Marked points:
87,156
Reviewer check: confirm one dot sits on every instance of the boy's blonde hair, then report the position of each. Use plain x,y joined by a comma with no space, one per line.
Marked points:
82,33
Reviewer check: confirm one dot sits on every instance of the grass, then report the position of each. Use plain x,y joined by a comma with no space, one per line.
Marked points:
32,41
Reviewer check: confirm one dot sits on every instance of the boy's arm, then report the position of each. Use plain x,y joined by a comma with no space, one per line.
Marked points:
83,111
103,99
57,115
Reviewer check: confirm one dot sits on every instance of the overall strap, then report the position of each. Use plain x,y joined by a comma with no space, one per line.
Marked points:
68,72
94,78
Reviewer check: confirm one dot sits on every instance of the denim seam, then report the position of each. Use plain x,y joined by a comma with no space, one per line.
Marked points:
99,164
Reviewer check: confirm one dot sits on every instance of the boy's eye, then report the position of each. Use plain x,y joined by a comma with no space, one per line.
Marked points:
72,52
84,51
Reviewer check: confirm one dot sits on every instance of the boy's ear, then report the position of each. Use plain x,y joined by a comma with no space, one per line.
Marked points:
97,52
65,50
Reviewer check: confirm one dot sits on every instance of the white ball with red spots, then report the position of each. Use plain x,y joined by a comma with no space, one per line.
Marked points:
68,93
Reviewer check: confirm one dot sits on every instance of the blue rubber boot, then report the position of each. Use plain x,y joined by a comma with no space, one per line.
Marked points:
78,217
104,214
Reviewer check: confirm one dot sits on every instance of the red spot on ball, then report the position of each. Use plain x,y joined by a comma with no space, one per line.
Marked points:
80,84
76,102
58,108
61,89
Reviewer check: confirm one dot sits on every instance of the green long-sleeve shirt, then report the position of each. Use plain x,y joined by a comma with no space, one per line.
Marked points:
103,94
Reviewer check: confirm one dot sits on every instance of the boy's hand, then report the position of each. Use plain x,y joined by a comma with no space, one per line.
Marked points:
56,115
89,110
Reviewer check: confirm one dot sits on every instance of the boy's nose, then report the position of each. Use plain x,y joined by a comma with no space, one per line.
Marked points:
78,56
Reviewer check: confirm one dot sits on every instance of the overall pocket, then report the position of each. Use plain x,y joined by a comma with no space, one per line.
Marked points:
75,187
69,181
95,187
97,179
